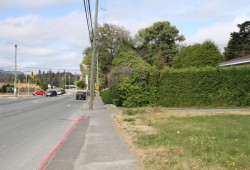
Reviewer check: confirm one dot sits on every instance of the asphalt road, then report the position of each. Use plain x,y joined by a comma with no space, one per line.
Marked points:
31,127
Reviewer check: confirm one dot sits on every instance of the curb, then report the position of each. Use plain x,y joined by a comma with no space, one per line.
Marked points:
47,158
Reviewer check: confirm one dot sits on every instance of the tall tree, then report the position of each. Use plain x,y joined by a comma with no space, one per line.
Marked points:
198,55
239,43
111,41
158,44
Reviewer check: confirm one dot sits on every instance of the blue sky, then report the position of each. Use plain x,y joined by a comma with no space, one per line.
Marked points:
53,33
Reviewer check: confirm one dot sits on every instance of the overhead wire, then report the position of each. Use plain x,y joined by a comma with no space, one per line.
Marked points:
90,17
87,8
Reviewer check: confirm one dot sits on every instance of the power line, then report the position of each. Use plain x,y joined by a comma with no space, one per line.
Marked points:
91,24
87,8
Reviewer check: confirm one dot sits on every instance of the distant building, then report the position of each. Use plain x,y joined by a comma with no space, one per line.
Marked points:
245,60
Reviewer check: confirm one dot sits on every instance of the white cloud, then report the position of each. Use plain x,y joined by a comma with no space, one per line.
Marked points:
219,32
57,42
33,4
50,43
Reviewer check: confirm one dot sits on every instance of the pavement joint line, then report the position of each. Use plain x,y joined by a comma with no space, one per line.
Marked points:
47,158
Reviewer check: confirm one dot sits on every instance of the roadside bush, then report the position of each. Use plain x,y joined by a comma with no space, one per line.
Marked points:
108,96
130,76
4,87
117,102
216,87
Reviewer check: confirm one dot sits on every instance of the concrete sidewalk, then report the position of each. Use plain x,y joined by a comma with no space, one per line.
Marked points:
102,148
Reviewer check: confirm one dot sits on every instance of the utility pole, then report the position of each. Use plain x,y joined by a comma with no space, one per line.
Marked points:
65,80
69,81
97,73
93,59
15,88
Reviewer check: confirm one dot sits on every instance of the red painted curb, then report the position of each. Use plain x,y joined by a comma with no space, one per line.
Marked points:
46,160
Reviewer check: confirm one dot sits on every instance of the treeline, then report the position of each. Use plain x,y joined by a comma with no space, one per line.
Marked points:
57,79
135,68
187,87
42,78
9,76
161,45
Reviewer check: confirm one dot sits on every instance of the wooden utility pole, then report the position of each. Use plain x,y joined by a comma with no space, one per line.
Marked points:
97,73
93,59
15,84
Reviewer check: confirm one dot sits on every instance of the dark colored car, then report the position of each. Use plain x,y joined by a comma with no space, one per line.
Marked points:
80,95
51,93
40,92
63,91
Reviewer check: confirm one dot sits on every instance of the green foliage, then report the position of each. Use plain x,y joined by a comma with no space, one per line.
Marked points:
133,111
117,102
239,43
132,94
127,59
130,76
111,41
198,55
58,79
215,87
108,96
4,87
153,87
81,84
44,86
158,43
129,119
87,53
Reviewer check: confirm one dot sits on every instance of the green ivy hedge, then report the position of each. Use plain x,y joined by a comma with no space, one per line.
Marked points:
108,96
193,87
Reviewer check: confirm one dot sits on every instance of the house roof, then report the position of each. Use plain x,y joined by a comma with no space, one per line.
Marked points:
236,61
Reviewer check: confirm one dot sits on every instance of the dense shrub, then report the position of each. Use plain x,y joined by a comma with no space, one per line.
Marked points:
108,96
198,55
4,87
117,102
130,76
216,87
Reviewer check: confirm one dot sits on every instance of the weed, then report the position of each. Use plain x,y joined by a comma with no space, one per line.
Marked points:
205,141
133,111
129,119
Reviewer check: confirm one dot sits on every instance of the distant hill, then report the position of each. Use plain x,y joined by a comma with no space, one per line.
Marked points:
8,76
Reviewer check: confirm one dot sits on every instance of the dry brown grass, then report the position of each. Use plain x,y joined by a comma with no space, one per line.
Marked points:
22,85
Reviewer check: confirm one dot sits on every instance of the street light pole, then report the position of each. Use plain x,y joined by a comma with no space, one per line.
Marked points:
15,88
93,59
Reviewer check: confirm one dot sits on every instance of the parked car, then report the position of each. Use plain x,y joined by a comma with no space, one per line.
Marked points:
39,92
81,95
9,89
63,91
58,91
51,93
